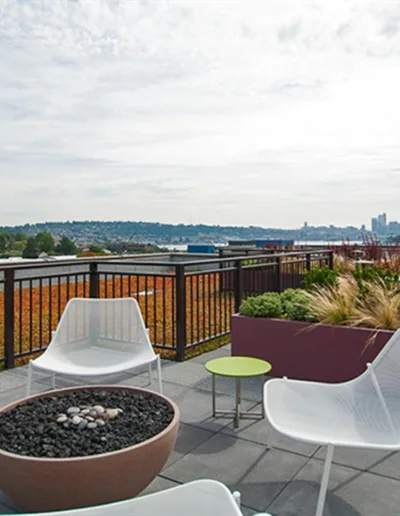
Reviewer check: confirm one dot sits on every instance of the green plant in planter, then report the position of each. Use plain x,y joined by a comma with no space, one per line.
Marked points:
368,275
320,276
265,305
296,305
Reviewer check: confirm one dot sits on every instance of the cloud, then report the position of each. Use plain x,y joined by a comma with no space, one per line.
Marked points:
221,112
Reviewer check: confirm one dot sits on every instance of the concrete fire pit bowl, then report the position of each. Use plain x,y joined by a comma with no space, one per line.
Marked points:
49,484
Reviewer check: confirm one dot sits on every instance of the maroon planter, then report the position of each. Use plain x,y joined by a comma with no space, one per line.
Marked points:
306,351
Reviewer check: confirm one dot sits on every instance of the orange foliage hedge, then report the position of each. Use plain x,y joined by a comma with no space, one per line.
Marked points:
37,311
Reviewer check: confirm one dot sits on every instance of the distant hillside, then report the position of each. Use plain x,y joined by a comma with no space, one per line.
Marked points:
155,232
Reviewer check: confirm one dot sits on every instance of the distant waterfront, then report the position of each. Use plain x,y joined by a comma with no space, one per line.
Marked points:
183,247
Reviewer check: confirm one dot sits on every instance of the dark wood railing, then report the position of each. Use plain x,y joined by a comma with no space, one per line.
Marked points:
184,303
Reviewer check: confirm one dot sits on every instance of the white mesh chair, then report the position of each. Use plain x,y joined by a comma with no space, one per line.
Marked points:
198,498
361,413
97,337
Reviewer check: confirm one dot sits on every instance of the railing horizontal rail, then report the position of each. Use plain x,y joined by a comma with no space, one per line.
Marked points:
34,264
190,263
259,265
209,271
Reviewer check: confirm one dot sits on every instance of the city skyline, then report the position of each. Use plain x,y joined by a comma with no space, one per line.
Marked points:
380,221
256,113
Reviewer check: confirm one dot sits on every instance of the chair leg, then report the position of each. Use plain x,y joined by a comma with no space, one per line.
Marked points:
30,374
160,389
237,497
324,481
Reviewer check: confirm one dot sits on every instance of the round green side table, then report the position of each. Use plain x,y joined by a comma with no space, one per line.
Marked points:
238,368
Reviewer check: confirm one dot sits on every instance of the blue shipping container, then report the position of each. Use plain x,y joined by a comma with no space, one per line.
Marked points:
201,248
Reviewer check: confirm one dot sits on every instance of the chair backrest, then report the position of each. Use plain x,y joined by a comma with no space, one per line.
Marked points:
197,498
382,380
115,324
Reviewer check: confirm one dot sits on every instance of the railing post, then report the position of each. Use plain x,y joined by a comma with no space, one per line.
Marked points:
308,261
278,274
94,280
330,260
238,285
180,299
9,318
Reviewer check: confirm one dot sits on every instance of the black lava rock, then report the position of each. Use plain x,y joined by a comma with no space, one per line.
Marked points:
32,430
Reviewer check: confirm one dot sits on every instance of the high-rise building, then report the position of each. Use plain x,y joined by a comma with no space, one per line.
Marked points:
379,224
382,219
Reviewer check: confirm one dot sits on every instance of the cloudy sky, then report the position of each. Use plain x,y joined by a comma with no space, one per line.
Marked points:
266,112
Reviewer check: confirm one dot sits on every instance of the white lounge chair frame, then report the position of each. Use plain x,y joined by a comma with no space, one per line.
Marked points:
361,413
198,498
98,337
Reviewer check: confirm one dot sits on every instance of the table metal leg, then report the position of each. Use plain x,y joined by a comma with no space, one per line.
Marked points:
213,395
237,404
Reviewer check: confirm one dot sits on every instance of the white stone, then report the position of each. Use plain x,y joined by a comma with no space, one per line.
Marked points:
99,409
112,413
76,420
73,410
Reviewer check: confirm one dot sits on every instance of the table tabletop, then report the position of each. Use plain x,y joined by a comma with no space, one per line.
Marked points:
238,367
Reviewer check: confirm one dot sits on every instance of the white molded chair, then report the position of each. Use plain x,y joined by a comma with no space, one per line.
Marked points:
97,337
198,498
361,413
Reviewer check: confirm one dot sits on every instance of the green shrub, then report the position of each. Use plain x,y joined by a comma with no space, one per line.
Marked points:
367,275
291,304
266,305
321,277
296,305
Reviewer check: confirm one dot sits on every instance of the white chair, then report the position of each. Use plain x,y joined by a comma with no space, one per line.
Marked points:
97,337
198,498
361,413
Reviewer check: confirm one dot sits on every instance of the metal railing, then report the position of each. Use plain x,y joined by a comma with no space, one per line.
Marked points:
184,304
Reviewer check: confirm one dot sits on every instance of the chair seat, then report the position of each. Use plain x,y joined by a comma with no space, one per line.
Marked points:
91,360
324,413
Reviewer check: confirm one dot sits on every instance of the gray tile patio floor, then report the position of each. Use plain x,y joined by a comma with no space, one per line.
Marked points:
283,480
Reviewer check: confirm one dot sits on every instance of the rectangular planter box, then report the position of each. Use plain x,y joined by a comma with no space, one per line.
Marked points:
304,351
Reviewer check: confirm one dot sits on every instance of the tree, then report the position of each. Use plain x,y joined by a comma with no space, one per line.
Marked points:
44,242
31,249
96,249
18,237
4,242
66,246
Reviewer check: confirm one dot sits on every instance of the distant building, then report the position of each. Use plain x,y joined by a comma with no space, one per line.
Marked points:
259,243
382,219
379,224
393,229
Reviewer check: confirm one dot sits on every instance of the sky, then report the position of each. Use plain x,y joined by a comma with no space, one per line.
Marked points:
252,112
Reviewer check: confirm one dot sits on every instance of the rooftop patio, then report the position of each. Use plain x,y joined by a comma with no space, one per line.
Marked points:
283,481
